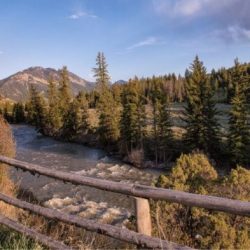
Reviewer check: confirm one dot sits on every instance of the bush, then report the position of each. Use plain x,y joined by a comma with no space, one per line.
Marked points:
7,148
12,240
198,227
136,157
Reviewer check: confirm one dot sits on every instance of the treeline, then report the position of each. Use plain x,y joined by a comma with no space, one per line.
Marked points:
171,85
134,118
13,113
223,81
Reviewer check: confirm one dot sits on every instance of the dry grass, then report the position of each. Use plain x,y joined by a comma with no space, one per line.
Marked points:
7,148
73,236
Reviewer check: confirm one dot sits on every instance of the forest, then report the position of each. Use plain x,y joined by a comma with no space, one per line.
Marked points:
135,122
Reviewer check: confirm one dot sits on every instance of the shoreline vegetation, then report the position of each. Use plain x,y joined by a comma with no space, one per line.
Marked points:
135,122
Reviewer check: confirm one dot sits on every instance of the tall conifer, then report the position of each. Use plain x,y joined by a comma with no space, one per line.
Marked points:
201,124
65,94
133,118
109,113
54,119
239,130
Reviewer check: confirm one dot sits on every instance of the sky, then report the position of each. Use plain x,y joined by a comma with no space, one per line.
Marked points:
138,37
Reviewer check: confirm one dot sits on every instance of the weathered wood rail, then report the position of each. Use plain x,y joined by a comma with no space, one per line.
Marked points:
141,191
136,190
43,239
93,226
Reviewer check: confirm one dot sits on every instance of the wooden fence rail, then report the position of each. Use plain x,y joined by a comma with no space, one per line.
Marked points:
194,200
43,239
119,233
135,190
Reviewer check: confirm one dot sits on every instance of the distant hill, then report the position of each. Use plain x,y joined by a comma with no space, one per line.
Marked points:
16,87
120,82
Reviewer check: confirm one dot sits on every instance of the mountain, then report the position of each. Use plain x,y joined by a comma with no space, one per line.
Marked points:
16,87
120,82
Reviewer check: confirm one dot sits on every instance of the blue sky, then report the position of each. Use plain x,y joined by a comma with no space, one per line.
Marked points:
138,37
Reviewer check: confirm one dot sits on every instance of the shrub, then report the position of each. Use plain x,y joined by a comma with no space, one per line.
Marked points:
7,148
198,227
136,157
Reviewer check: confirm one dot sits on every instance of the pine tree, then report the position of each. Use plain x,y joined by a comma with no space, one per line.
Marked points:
18,114
109,117
133,118
7,112
84,125
201,124
76,122
165,132
65,94
54,119
155,96
37,110
239,130
101,72
109,114
162,133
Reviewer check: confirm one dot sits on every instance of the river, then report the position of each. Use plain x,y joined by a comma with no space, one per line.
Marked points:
69,157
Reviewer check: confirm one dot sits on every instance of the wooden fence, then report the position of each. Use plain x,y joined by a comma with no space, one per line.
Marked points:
142,194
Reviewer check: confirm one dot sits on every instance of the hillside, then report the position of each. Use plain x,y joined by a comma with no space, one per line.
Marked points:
16,87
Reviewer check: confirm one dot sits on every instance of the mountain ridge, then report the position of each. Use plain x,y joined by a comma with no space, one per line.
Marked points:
16,86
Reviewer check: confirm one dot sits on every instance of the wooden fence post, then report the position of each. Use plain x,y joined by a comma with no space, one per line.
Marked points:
143,218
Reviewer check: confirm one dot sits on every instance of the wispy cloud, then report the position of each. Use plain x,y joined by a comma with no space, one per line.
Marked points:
150,41
230,19
80,14
1,52
190,8
234,33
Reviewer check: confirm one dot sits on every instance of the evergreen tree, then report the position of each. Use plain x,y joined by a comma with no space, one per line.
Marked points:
109,113
54,119
133,118
239,130
109,117
76,122
101,72
18,114
164,127
7,112
163,139
37,111
84,126
201,124
65,94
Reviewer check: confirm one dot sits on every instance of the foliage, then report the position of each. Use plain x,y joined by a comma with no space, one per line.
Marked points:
37,110
133,118
7,148
101,72
109,113
239,129
65,94
224,83
18,113
201,124
162,133
12,240
76,121
135,115
54,119
198,227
